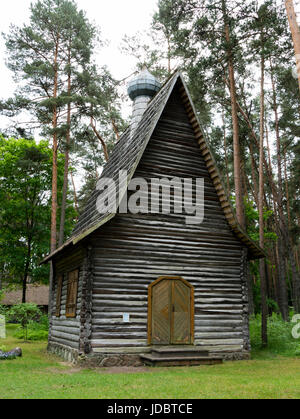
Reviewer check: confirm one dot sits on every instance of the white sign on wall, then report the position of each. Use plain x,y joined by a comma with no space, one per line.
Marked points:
2,328
126,318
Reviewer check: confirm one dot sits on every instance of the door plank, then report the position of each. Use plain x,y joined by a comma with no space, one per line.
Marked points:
161,313
181,314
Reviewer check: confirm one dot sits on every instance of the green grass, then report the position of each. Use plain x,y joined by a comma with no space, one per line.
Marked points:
41,375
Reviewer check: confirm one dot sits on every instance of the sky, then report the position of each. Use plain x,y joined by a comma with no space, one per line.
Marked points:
114,17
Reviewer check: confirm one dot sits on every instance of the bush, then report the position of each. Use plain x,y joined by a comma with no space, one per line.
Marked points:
35,330
4,310
32,335
280,339
24,314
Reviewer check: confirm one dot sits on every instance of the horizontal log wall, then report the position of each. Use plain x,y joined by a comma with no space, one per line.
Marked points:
65,331
131,251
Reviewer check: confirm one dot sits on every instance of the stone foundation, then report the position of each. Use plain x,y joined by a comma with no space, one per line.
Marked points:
237,356
94,360
121,360
65,352
110,360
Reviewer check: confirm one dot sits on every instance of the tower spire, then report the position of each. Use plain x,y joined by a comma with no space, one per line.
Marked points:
141,89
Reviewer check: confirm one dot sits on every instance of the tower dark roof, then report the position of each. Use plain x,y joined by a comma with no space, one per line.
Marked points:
145,84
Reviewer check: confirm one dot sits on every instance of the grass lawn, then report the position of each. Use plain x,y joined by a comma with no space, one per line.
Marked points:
40,375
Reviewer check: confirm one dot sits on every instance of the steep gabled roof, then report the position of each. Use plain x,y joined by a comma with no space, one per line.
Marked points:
127,154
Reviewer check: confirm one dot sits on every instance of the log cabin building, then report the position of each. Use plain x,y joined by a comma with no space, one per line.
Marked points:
149,287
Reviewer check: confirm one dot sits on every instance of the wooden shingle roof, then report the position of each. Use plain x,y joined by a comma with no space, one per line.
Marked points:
127,154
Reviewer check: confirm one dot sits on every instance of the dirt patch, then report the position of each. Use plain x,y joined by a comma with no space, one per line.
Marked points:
63,371
104,370
123,370
108,370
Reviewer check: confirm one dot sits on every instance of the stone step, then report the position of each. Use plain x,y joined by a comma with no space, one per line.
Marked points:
186,351
179,360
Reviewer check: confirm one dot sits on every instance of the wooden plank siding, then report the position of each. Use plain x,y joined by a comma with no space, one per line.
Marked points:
64,330
132,251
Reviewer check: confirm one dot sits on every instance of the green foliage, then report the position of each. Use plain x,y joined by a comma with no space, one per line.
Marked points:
31,48
256,289
280,339
32,335
36,330
252,218
25,193
272,305
25,174
58,28
24,314
3,310
100,122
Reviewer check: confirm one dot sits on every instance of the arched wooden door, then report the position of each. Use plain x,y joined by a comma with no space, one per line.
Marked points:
171,312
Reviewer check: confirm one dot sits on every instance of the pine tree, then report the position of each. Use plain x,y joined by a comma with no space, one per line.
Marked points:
47,56
295,31
37,56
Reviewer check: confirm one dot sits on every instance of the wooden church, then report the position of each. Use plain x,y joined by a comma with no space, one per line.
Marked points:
149,287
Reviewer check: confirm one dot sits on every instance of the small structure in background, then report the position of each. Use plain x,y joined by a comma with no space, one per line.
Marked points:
2,327
36,294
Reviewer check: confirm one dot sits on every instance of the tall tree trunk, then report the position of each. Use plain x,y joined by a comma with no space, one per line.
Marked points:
281,277
75,196
24,289
26,270
240,210
225,152
273,259
262,271
115,128
55,150
287,194
295,33
53,238
102,142
268,144
114,125
169,54
66,168
253,174
296,256
287,245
